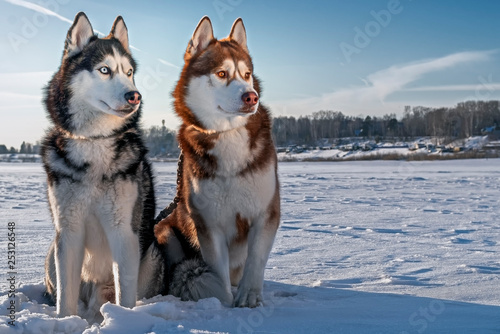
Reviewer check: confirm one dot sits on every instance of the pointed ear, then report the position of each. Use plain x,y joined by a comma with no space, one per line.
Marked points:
120,32
78,35
239,34
202,36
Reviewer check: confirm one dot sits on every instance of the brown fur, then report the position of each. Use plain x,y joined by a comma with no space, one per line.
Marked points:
196,142
243,228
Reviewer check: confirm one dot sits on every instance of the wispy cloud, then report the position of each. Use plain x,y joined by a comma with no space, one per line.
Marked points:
24,82
381,84
26,76
164,62
22,91
43,10
38,8
456,88
20,101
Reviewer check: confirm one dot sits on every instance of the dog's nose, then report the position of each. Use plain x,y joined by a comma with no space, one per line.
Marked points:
250,98
133,98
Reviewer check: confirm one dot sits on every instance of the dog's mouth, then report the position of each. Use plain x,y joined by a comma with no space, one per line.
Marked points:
241,111
248,110
123,111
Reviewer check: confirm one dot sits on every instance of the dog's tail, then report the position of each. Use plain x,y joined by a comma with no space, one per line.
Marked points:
194,280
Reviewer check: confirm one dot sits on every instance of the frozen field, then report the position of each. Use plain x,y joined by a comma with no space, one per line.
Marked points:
363,247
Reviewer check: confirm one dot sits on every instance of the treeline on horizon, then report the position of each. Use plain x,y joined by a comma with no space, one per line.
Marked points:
324,127
466,119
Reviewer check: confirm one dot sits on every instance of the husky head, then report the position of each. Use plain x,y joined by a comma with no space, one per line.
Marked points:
217,90
93,93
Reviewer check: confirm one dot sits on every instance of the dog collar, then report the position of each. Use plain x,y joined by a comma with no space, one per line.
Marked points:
208,132
70,135
212,132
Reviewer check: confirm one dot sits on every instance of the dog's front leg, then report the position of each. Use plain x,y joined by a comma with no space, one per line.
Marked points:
69,219
69,250
260,242
124,245
215,252
119,212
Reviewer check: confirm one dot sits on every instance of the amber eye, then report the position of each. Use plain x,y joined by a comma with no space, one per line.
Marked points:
247,75
222,74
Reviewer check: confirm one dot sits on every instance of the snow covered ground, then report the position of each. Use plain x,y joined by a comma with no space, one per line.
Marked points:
364,247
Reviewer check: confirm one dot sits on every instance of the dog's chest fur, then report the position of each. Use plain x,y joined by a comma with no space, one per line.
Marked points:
232,151
234,190
100,173
91,180
96,168
97,154
91,161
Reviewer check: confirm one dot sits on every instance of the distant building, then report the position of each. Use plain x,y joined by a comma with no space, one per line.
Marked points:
493,132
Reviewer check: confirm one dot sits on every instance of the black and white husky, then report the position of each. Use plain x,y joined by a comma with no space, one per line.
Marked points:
100,186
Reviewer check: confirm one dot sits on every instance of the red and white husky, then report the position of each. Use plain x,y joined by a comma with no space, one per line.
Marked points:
228,204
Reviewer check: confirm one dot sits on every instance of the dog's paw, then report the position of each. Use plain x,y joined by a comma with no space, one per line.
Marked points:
247,297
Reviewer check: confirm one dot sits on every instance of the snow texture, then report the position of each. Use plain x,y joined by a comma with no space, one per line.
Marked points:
363,247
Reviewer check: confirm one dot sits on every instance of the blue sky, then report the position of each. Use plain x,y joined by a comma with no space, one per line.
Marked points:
361,57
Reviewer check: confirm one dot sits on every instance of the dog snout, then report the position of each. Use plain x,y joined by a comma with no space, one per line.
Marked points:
133,98
250,99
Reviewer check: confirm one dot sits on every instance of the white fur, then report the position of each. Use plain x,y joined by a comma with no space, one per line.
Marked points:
98,99
93,222
217,104
220,199
233,151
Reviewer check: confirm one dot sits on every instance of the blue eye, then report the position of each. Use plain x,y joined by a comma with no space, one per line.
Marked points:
104,70
129,73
